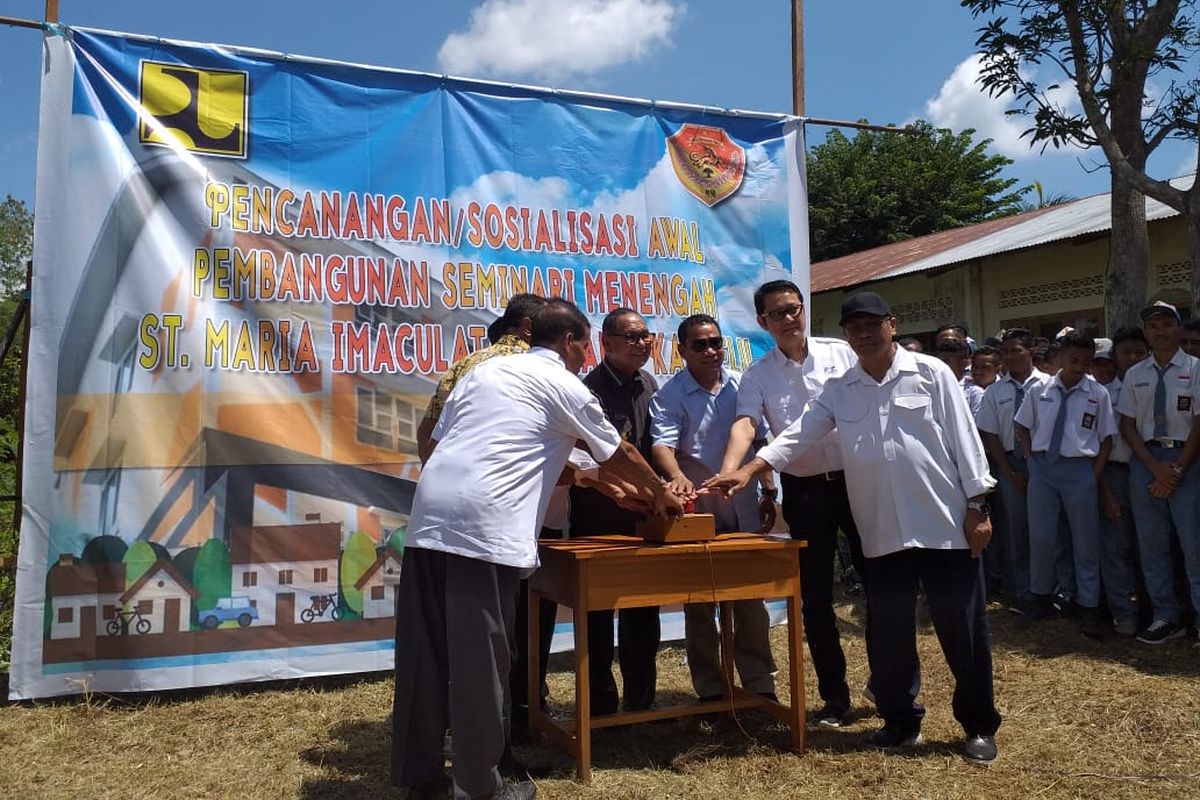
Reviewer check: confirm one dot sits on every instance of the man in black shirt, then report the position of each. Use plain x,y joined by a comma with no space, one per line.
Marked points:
624,390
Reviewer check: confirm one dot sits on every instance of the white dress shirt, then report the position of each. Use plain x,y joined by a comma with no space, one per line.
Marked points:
912,453
1183,388
996,410
1121,451
502,442
1088,423
777,389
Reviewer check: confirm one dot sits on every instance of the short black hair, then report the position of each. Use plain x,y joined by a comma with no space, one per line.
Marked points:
1129,333
774,287
986,350
495,330
953,326
1023,335
609,325
693,321
1192,325
951,348
519,307
556,318
1076,339
905,341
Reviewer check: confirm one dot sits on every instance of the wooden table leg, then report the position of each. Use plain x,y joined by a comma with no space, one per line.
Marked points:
583,689
796,667
533,683
725,617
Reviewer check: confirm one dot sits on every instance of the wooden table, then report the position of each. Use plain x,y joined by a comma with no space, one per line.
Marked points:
602,572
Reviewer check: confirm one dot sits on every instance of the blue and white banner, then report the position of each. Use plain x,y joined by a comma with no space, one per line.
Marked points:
251,269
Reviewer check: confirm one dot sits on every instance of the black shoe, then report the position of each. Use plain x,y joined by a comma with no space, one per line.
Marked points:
1093,624
769,696
1160,631
892,739
516,790
511,768
829,716
1041,607
434,789
980,749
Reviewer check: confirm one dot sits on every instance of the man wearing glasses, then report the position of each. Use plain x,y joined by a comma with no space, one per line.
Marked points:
692,414
624,390
776,388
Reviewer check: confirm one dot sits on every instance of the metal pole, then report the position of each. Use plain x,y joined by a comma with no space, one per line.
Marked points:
798,57
866,126
18,22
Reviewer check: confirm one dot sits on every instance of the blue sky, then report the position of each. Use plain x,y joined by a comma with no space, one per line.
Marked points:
877,59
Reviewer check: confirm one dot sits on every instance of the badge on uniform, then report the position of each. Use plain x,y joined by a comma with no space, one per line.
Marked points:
1089,421
1183,403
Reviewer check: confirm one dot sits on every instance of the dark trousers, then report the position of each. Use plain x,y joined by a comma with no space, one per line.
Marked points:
638,634
454,622
814,507
954,590
518,680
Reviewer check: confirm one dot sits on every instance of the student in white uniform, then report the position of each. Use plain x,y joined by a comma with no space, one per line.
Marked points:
1065,427
1158,409
917,477
499,447
774,390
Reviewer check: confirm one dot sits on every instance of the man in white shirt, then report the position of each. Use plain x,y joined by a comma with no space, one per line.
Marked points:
1118,559
774,390
499,447
997,409
1065,427
917,476
1158,409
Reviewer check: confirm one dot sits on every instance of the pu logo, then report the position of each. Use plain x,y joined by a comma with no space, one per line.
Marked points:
204,110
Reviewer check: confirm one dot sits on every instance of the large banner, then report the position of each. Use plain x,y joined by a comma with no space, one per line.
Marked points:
251,269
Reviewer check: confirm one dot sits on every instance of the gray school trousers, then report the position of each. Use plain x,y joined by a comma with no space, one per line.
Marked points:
454,620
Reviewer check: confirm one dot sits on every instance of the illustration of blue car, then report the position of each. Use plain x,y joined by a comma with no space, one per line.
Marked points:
227,609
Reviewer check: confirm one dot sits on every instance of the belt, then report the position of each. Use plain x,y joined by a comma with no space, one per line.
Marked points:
1166,444
836,475
1122,464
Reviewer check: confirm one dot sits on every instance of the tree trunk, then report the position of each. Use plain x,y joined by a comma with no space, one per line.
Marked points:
1193,232
1129,256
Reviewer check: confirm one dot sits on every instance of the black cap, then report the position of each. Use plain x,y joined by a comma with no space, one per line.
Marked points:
1159,307
864,303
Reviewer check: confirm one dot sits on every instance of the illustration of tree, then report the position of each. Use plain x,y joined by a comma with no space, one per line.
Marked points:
139,558
396,540
212,576
104,550
185,562
357,556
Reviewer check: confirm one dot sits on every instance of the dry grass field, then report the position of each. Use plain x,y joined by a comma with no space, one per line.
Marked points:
1082,719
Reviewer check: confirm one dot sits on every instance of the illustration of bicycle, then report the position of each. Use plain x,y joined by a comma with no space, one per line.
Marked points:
121,621
320,604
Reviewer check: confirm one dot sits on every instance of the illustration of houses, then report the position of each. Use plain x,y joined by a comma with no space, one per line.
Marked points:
378,585
296,560
83,597
162,596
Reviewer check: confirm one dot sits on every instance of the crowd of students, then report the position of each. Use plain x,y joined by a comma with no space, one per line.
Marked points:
1092,443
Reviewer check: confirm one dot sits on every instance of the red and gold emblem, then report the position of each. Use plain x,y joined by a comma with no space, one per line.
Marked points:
707,162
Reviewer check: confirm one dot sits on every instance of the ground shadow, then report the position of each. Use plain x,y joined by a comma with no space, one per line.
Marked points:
357,759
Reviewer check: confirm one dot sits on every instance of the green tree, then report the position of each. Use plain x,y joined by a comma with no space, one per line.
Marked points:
139,558
1111,52
884,187
357,556
212,575
396,540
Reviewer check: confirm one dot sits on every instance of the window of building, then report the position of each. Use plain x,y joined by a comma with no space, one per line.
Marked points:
377,593
285,577
108,612
386,421
145,607
66,614
250,579
321,574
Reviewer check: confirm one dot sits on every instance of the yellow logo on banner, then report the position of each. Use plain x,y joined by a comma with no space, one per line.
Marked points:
205,110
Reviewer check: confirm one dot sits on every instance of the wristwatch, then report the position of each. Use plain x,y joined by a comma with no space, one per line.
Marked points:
981,506
771,493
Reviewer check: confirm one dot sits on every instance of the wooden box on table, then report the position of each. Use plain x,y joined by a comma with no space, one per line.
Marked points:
669,530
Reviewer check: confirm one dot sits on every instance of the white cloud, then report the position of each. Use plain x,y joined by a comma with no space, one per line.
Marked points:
552,40
962,103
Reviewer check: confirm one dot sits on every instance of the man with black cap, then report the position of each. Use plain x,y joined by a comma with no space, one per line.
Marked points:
916,475
1158,409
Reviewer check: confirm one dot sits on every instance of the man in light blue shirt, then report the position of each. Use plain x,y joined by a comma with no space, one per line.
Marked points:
690,420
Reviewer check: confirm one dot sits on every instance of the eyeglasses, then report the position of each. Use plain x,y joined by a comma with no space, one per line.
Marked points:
780,314
713,342
637,337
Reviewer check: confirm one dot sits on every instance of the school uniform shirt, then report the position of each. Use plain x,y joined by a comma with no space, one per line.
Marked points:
1121,452
695,423
997,407
775,389
1182,379
1088,423
974,395
912,453
503,440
